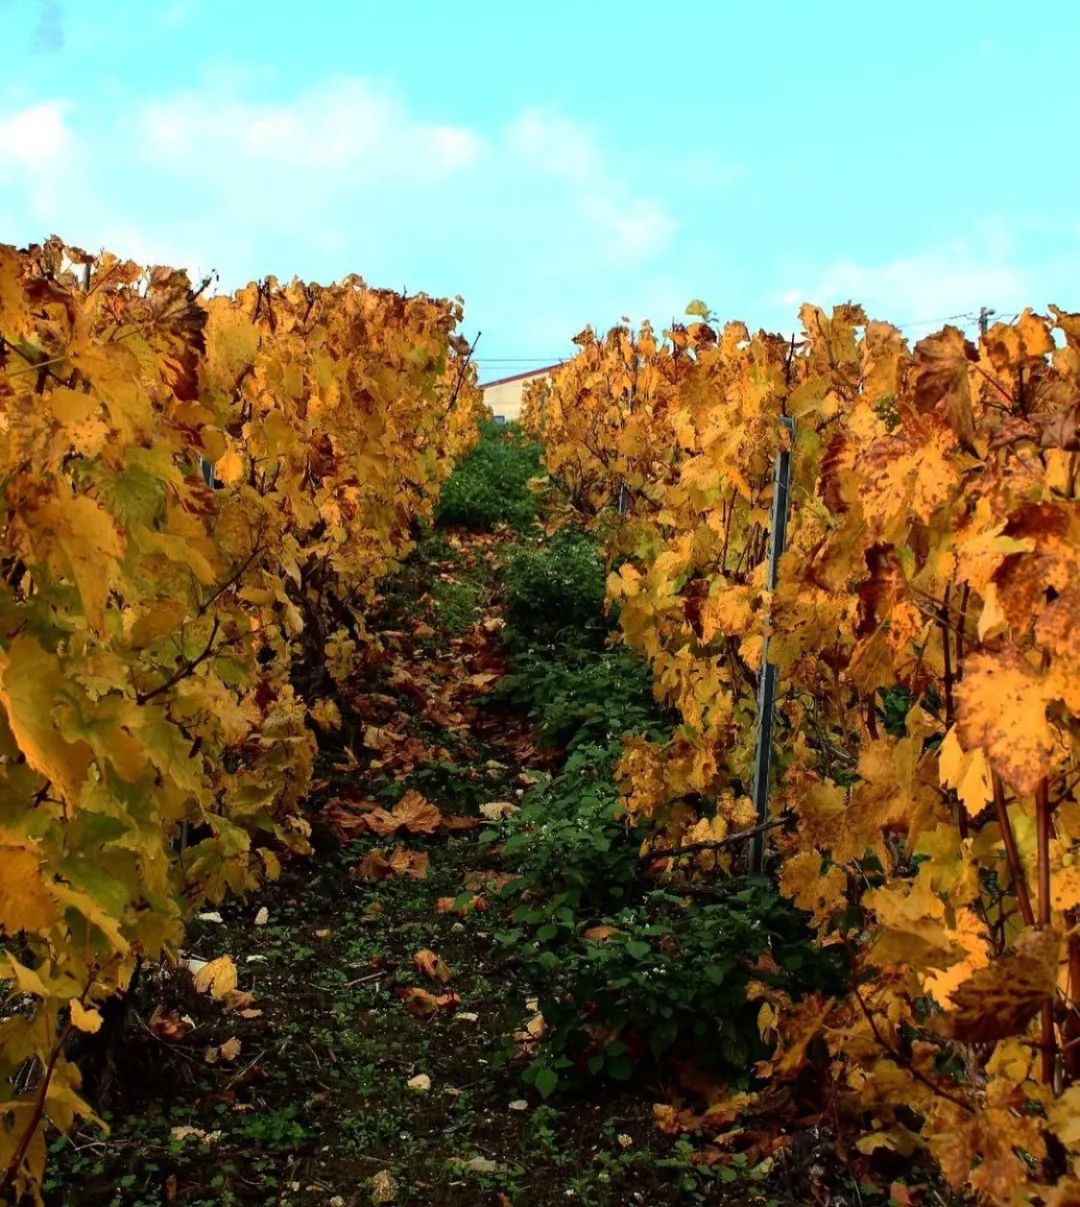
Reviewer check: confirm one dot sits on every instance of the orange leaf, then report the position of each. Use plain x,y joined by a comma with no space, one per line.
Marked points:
416,815
376,865
424,1004
599,933
427,962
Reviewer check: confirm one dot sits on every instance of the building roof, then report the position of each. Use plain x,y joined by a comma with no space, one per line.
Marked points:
542,372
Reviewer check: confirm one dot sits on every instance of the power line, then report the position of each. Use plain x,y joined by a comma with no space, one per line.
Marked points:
968,317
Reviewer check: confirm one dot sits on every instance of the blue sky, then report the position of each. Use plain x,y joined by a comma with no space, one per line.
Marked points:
561,163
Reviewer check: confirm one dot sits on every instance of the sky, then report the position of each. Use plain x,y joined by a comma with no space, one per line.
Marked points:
562,163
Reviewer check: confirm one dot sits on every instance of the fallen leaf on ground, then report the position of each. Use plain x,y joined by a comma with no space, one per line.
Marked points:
416,814
343,820
169,1027
409,863
238,999
383,1187
477,880
497,810
423,1004
481,1165
380,821
217,978
598,933
184,1132
454,824
228,1051
376,865
431,965
464,903
481,680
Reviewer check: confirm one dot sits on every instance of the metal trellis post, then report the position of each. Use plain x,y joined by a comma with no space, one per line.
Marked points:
767,681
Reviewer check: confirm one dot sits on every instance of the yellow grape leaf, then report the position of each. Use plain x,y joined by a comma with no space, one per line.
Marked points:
1001,707
30,683
218,978
970,944
73,406
326,714
25,901
1065,886
802,880
1065,1117
967,771
91,546
951,868
84,1019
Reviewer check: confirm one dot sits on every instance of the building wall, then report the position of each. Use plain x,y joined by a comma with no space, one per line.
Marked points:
504,396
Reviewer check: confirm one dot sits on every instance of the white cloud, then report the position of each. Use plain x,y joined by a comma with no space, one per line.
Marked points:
619,224
635,228
177,13
36,135
554,145
956,278
336,127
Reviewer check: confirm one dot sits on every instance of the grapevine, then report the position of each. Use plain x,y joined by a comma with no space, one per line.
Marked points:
925,631
199,500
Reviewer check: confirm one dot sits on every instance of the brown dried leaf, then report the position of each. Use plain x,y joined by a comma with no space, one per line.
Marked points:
423,1004
431,965
1001,998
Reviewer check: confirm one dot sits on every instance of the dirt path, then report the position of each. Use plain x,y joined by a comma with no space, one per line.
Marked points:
358,1075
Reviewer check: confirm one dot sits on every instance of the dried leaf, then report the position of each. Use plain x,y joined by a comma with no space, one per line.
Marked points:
431,965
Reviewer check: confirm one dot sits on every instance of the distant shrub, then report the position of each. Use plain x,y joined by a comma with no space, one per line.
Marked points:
489,485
